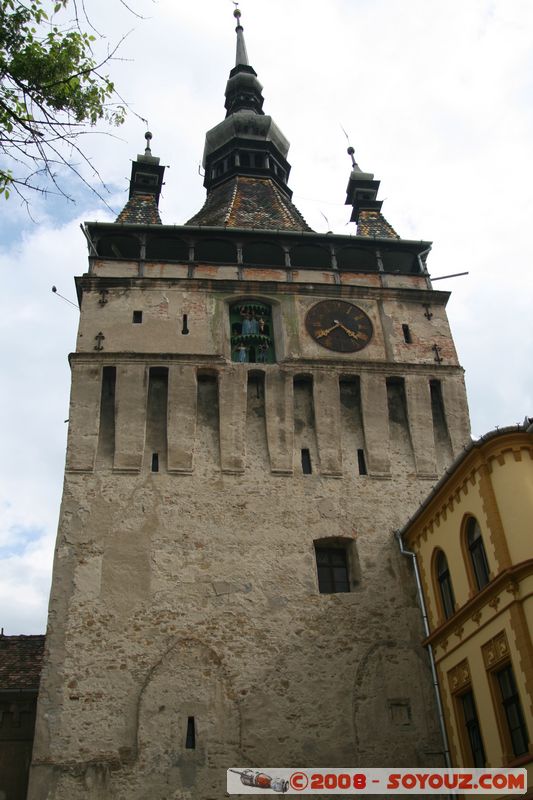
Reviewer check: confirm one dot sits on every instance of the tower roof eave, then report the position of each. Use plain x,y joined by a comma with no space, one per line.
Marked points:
416,245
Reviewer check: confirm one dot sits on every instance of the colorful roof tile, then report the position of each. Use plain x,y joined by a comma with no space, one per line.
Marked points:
249,202
373,224
141,209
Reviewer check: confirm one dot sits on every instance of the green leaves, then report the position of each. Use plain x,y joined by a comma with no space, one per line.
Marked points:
51,88
6,179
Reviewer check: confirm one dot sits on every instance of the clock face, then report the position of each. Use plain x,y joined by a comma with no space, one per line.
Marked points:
339,326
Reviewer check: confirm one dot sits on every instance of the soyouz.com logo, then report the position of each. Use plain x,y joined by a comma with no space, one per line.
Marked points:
243,780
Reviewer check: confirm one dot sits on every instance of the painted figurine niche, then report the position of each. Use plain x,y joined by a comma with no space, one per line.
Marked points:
250,324
262,353
242,354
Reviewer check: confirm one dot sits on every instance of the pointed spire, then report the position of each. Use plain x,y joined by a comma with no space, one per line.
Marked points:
242,55
355,165
243,90
245,158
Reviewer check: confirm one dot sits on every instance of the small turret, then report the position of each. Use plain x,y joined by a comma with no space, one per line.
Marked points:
145,188
361,194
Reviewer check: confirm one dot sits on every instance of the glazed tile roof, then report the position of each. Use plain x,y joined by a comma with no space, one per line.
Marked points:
20,662
246,202
140,209
373,223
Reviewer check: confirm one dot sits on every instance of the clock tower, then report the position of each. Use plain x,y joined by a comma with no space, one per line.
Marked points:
255,408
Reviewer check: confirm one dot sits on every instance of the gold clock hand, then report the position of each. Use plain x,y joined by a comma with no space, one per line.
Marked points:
350,333
324,331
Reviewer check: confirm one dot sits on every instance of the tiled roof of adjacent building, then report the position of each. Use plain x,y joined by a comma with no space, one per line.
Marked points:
249,202
141,209
373,223
20,662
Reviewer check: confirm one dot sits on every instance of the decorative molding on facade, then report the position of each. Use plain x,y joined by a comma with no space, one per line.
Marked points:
469,467
495,650
459,677
484,598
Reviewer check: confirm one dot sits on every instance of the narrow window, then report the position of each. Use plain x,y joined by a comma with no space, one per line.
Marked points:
478,557
513,710
306,462
332,568
184,328
361,462
155,462
406,334
473,731
190,739
445,585
106,436
137,317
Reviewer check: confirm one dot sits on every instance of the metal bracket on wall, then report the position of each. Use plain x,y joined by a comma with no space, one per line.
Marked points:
436,349
99,339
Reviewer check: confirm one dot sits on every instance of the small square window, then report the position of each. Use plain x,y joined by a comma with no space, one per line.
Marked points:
137,317
332,568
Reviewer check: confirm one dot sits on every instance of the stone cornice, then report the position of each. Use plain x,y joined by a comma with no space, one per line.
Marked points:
291,366
229,287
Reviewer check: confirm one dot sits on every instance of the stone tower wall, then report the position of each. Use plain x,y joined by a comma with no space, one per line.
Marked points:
192,592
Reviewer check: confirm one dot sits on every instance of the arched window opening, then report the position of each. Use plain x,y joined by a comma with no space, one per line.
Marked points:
403,262
357,258
476,549
127,247
263,254
252,337
215,250
311,256
445,585
167,249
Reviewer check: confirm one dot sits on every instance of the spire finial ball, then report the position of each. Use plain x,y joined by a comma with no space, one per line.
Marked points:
147,136
350,151
237,13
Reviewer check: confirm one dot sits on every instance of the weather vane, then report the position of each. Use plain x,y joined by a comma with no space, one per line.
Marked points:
237,11
350,150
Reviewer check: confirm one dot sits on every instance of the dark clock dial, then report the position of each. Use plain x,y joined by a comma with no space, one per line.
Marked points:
339,326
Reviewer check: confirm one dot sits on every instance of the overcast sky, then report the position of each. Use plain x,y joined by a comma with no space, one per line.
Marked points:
437,100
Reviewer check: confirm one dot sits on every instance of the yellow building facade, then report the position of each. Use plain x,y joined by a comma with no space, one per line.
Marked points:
473,543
